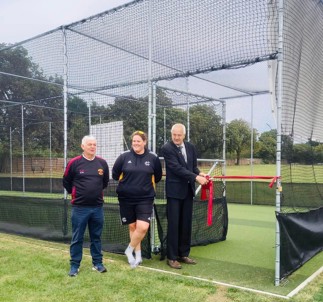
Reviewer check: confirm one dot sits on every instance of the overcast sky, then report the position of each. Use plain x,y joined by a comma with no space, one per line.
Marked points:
24,19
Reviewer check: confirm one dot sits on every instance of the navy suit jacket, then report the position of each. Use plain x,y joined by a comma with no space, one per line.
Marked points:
179,173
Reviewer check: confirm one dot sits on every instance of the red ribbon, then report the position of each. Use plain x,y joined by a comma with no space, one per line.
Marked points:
273,178
208,188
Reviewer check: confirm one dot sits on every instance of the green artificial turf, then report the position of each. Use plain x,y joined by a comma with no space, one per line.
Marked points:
247,257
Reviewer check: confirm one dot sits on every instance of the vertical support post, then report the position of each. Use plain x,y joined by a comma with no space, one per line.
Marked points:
224,137
23,148
188,128
50,159
279,133
251,152
165,125
154,100
65,95
65,78
90,117
10,138
151,116
65,100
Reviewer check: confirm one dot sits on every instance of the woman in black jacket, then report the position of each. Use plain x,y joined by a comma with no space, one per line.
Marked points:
137,170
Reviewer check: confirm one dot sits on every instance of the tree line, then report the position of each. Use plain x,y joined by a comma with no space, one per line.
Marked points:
34,108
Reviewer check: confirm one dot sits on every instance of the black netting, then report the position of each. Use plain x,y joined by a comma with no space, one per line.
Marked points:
301,238
202,234
49,219
188,37
257,193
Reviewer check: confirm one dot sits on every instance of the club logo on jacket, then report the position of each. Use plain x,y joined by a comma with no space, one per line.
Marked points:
100,171
147,163
82,171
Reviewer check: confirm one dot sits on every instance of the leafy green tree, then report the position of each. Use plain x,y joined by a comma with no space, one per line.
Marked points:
205,128
266,146
37,104
303,154
206,131
132,112
28,107
318,153
238,136
77,124
287,148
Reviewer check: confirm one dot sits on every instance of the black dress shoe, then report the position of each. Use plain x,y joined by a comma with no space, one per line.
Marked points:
174,264
186,260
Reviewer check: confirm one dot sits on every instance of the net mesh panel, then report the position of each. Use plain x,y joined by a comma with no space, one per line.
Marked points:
240,192
303,57
302,136
187,38
302,108
39,218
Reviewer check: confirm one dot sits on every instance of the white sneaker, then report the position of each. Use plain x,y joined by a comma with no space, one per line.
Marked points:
137,263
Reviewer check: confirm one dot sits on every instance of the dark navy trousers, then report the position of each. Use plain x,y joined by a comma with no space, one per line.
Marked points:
179,231
82,217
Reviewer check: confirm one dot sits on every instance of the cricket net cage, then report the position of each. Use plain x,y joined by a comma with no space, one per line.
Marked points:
65,83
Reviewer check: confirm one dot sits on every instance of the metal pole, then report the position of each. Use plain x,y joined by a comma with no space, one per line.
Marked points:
50,159
165,125
90,119
150,113
151,144
279,133
224,122
65,101
251,153
154,100
188,112
65,89
10,138
23,148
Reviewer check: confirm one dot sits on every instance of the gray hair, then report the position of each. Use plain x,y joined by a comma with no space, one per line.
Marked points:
88,138
179,126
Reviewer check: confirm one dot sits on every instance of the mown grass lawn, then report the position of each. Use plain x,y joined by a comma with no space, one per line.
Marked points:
34,270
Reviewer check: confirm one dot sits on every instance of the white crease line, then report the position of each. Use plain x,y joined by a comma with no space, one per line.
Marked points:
218,283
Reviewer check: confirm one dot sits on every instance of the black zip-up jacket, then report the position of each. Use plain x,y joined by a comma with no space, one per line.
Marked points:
137,174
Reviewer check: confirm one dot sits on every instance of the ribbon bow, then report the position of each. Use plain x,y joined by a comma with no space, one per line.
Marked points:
208,188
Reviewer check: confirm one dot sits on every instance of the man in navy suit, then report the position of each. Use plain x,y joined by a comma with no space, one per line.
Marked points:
181,174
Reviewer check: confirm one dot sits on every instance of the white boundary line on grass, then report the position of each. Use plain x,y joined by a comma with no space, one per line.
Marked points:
304,283
218,283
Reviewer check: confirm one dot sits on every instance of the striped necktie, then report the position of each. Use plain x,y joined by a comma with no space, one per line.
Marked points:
182,152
